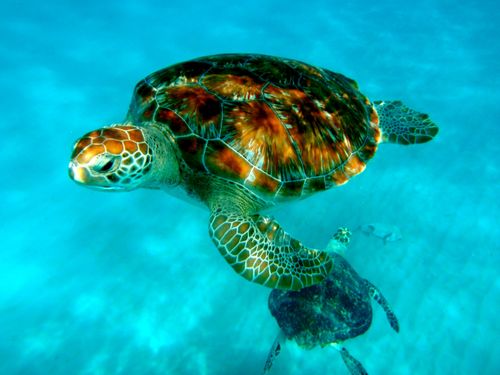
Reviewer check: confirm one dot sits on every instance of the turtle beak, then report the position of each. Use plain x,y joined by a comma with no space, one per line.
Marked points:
77,173
82,176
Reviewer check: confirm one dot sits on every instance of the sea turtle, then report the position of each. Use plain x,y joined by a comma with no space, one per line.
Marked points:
326,314
338,243
244,132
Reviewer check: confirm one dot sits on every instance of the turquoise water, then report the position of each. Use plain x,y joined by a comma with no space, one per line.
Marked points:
102,283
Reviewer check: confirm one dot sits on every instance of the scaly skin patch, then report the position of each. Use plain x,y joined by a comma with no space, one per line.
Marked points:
261,251
404,125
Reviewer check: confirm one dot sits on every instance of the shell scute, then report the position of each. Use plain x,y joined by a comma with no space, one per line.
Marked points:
225,162
177,124
291,189
179,74
266,146
274,70
192,150
233,86
261,181
143,102
314,184
197,107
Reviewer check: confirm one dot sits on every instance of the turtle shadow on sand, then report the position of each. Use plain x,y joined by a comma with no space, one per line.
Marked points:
329,313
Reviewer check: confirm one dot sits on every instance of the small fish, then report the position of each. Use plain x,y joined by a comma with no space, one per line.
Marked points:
387,232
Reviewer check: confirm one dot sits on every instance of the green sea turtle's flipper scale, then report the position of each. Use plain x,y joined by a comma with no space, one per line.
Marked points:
274,352
380,299
355,367
403,125
261,251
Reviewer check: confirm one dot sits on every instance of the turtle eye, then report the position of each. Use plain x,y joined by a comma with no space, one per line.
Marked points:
104,164
106,167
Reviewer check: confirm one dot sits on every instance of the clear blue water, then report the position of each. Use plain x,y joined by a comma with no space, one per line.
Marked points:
102,283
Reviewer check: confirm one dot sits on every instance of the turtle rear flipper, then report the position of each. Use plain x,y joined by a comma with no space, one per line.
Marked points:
274,352
355,367
404,125
380,299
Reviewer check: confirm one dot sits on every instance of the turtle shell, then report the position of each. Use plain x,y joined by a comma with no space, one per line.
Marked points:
280,127
337,309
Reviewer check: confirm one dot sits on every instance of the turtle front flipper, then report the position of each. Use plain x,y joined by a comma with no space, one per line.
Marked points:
404,125
355,367
377,295
261,251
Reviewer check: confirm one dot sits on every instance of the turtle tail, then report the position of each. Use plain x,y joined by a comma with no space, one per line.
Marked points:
403,125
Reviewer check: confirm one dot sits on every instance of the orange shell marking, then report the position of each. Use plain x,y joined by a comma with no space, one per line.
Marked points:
354,166
316,131
233,87
229,163
262,138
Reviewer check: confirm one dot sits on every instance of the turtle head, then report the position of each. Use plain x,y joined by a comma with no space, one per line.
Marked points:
123,157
